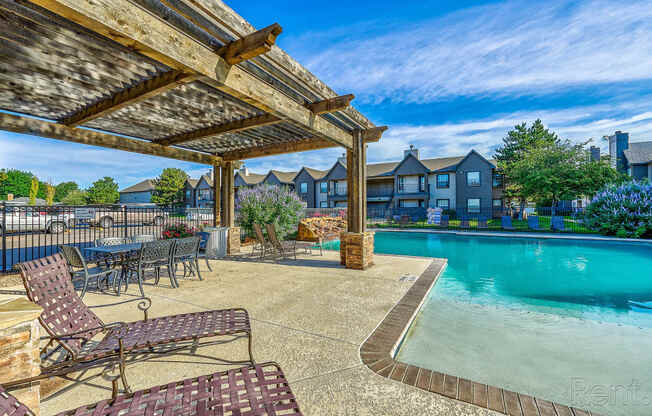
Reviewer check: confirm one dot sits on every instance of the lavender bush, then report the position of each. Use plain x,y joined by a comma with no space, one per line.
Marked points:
623,211
266,204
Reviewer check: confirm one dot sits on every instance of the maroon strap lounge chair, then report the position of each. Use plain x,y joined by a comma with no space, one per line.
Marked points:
71,324
256,390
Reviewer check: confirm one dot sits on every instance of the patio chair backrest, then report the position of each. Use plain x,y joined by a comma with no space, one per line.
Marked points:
557,223
271,233
506,221
111,241
533,221
48,284
444,220
405,219
156,251
186,247
203,239
10,406
73,256
259,234
142,238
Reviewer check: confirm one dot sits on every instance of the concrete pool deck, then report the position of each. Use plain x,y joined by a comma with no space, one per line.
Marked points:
311,316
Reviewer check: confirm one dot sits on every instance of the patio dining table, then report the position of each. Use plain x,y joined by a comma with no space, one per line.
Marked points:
123,252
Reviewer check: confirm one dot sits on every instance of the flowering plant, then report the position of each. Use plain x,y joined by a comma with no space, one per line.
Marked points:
267,204
624,210
178,231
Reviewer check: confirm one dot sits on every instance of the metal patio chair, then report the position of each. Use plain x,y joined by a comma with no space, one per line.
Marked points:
202,252
185,252
444,220
465,223
152,256
79,269
71,324
261,245
284,248
258,390
483,223
557,223
142,238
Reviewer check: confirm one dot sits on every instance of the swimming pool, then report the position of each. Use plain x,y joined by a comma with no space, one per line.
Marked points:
545,317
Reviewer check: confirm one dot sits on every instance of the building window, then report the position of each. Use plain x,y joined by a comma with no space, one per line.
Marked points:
205,194
497,203
473,178
443,180
187,193
497,180
401,183
473,205
323,204
443,203
408,203
303,187
323,187
422,183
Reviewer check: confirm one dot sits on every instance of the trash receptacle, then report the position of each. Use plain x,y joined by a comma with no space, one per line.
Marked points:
216,241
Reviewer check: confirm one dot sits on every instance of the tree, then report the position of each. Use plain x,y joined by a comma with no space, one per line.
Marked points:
519,141
169,187
17,183
3,179
49,194
33,190
559,171
63,189
103,191
75,197
266,204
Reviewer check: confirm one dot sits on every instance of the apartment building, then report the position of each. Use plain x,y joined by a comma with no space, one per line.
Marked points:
635,158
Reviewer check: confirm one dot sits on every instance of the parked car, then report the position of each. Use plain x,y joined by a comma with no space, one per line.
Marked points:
23,219
107,218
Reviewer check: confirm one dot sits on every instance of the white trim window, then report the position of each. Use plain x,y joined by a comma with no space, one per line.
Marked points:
473,205
303,187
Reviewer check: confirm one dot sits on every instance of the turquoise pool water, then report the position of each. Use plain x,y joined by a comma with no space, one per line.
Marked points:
549,318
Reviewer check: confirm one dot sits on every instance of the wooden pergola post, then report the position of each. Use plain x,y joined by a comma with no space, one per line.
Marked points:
217,196
357,245
228,207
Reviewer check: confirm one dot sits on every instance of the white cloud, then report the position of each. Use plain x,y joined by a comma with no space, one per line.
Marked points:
507,48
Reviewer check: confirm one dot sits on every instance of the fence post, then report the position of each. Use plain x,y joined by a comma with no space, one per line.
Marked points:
4,236
124,221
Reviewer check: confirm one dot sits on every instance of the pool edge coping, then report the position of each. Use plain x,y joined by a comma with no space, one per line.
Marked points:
518,234
378,353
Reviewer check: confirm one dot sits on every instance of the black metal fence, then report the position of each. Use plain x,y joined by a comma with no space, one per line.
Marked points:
539,219
31,232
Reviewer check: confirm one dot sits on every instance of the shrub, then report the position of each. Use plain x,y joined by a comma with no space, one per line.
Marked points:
266,204
177,231
623,211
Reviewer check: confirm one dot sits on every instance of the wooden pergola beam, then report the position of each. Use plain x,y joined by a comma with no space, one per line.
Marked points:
51,130
230,127
331,105
373,134
251,45
277,149
123,22
137,93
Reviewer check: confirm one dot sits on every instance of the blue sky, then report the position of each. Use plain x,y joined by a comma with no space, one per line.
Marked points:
446,76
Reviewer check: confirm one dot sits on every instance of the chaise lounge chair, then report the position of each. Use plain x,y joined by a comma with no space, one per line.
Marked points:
71,324
444,221
261,245
482,223
261,389
533,223
557,223
284,248
506,223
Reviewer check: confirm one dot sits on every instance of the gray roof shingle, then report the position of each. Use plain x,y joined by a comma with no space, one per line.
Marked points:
639,153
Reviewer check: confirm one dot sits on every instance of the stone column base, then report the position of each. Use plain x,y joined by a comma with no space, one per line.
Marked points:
357,250
233,241
19,349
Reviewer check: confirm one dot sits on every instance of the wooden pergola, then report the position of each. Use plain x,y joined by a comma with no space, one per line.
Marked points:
183,79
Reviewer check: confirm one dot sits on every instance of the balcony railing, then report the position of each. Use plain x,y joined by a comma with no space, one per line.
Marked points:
410,189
